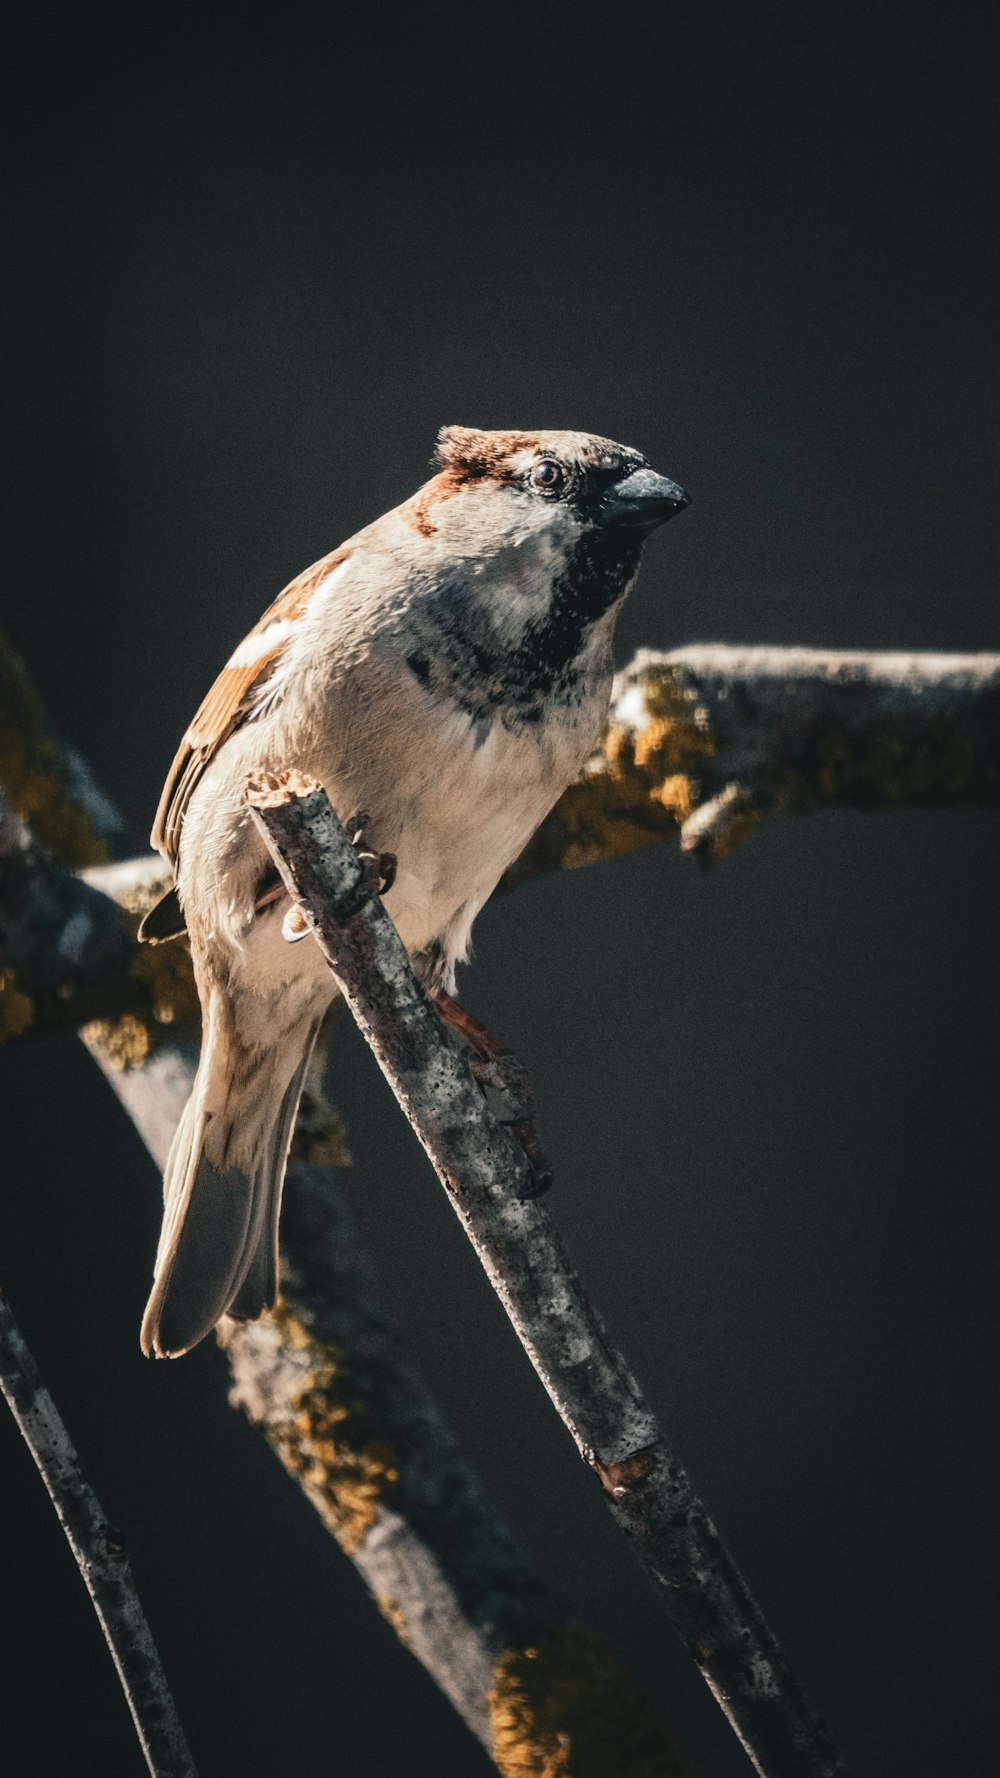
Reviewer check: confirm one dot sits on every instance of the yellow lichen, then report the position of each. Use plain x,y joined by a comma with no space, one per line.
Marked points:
16,1010
641,784
123,1042
165,994
31,772
563,1709
326,1445
675,795
676,735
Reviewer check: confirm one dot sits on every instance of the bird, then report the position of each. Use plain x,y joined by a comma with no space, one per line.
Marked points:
447,669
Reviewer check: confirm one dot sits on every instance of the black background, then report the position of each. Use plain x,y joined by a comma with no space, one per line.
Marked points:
258,258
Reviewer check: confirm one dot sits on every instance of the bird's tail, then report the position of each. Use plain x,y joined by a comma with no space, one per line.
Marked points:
218,1248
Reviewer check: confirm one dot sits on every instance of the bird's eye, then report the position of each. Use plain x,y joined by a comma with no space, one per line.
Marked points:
548,475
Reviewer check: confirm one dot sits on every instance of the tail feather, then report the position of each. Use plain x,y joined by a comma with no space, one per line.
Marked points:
259,1288
222,1187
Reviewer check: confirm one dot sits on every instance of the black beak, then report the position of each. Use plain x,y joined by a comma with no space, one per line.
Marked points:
643,500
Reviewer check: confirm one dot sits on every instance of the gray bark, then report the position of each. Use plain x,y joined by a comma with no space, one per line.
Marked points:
60,938
487,1178
100,1556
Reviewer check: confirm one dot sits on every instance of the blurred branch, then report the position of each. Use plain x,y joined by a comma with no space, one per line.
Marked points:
340,1401
47,783
711,740
100,1556
64,947
328,1381
488,1181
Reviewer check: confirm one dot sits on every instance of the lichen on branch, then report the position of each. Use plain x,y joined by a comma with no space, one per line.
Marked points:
562,1709
45,784
712,740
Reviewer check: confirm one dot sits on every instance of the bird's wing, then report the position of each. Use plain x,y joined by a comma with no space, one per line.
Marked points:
232,700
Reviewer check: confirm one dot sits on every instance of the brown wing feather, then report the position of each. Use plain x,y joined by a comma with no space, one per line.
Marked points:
229,703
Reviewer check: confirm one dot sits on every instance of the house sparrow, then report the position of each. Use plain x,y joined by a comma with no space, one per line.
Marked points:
449,670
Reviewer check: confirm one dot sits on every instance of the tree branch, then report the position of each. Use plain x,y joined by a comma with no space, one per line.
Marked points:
329,1382
707,742
64,947
711,740
100,1556
487,1180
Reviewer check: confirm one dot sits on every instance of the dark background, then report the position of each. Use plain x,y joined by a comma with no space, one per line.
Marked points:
257,261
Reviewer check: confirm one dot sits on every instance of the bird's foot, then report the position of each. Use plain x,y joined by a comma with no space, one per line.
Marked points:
380,867
495,1066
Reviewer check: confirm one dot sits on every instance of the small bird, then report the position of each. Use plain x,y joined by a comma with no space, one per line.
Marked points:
447,669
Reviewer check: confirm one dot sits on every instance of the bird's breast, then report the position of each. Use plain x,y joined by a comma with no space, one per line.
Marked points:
453,789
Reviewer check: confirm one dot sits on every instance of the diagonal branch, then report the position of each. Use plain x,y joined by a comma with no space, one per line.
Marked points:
486,1177
100,1556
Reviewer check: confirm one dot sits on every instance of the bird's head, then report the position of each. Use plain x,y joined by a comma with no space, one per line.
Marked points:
526,543
553,514
566,485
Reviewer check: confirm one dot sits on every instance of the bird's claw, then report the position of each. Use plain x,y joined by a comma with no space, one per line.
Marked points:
380,867
295,924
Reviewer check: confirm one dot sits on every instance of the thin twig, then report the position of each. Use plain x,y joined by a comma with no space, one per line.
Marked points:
100,1556
486,1175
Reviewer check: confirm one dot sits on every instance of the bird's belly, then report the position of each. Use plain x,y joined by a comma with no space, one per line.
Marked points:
457,806
455,800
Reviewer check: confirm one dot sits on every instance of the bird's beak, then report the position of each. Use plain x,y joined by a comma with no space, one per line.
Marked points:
643,500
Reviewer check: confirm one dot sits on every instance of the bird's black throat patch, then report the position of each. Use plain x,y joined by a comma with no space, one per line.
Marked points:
468,662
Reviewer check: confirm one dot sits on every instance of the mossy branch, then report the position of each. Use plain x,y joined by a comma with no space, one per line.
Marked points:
64,947
709,741
331,1385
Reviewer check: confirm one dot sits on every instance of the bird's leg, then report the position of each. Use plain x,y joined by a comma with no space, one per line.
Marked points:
380,866
496,1066
380,869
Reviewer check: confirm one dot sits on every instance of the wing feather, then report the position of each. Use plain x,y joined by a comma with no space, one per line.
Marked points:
231,702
